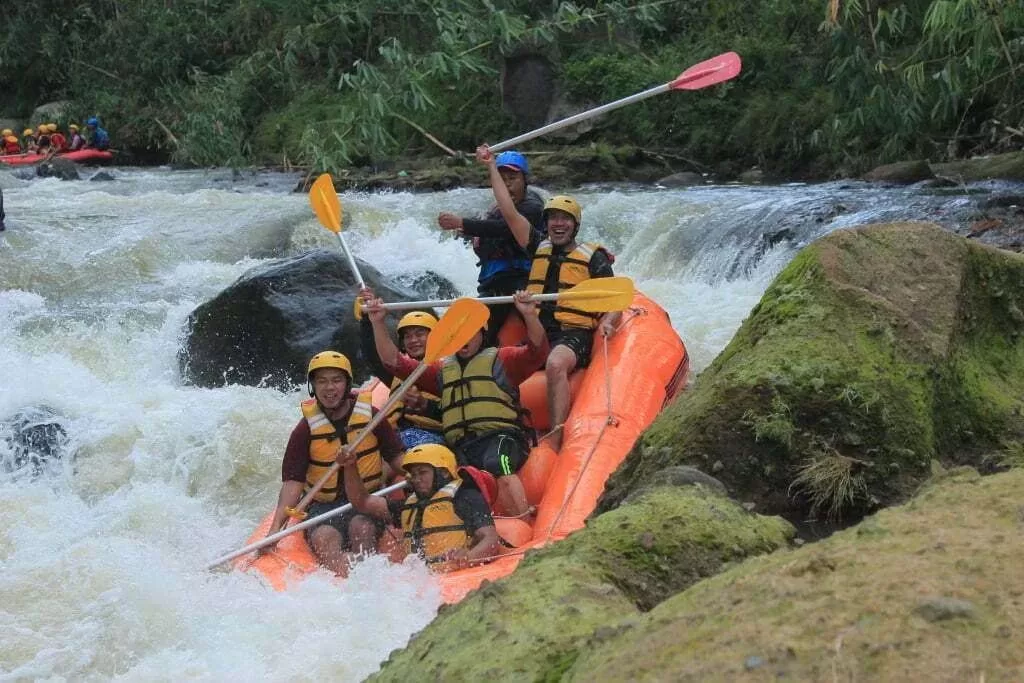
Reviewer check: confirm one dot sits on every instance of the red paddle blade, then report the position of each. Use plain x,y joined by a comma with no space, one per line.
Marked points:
715,70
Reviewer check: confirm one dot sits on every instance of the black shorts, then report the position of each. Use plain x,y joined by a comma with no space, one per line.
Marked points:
577,340
501,453
340,521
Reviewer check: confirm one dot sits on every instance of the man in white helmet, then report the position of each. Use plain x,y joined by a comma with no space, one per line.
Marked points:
559,264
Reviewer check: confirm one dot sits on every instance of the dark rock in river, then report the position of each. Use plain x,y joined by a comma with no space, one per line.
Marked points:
102,176
902,172
263,329
681,179
35,438
58,168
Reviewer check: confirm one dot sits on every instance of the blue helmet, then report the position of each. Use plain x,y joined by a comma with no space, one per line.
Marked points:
513,159
93,121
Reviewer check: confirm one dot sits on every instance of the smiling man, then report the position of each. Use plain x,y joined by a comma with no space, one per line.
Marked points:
331,419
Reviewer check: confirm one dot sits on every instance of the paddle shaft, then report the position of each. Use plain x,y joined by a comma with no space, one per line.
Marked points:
407,305
351,261
582,116
274,538
381,415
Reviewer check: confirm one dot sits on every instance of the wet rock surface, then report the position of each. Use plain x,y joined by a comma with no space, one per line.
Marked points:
263,329
33,440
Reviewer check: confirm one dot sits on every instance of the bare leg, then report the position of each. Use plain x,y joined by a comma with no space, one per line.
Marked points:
362,535
326,543
512,495
561,361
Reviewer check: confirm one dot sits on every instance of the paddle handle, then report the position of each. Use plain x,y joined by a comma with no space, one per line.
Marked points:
582,116
381,415
408,305
351,261
273,538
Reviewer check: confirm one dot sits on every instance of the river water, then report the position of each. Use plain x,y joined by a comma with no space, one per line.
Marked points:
100,562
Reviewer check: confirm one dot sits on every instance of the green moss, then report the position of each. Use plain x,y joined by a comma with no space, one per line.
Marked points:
925,592
882,347
535,621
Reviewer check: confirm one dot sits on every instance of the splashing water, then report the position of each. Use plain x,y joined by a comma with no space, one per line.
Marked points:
100,564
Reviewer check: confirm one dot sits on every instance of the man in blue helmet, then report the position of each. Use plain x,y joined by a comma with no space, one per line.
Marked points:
505,253
98,137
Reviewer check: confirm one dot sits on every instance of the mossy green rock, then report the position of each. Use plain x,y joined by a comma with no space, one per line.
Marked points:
1009,166
876,351
531,625
931,591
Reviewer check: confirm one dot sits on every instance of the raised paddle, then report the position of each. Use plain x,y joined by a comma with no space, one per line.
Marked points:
327,208
597,295
274,538
456,327
707,73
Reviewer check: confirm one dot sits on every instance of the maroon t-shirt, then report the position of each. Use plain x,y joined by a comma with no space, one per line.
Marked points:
296,454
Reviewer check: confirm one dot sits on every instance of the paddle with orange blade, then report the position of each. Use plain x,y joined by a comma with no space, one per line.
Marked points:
327,208
709,72
456,327
596,295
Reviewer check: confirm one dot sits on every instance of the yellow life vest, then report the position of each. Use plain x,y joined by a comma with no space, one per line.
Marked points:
432,528
573,268
422,421
324,443
475,399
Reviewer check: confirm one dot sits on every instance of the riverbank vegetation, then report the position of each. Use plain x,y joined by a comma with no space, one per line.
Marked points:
829,86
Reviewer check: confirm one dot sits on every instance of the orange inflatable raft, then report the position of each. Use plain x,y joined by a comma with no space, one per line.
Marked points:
645,365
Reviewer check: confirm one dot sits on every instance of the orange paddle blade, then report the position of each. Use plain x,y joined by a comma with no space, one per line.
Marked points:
326,204
460,322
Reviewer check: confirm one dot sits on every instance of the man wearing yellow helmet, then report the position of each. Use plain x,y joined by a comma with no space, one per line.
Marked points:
417,417
42,139
559,264
330,419
479,390
10,142
446,520
28,141
58,142
77,141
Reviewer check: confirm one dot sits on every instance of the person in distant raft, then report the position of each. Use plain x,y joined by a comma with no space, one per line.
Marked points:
446,523
58,142
42,139
479,390
334,415
77,141
10,142
28,141
504,252
559,264
417,416
98,136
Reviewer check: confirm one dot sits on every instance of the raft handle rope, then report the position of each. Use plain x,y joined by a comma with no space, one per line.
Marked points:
631,313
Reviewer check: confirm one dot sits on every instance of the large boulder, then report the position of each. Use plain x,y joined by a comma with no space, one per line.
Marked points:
876,351
1009,166
51,112
34,440
926,592
529,86
531,625
263,329
901,172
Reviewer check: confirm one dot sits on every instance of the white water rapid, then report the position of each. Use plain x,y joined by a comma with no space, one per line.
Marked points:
100,562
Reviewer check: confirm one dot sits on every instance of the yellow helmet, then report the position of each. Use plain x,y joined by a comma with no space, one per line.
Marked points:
6,131
51,127
417,319
434,455
73,126
329,359
10,138
41,128
565,203
27,132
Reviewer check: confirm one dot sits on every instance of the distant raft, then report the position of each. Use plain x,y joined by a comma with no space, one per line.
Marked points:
647,365
82,156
